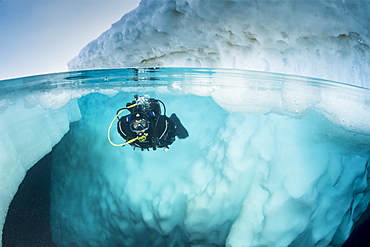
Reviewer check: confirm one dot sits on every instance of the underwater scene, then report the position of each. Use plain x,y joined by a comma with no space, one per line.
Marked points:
253,159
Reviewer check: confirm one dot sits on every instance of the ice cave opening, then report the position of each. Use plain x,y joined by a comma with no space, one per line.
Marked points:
28,219
271,159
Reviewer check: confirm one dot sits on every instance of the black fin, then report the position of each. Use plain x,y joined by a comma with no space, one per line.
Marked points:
181,132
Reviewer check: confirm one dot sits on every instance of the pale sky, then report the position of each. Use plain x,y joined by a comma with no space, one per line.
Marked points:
42,36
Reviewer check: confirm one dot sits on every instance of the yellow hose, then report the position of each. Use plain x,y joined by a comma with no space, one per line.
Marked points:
110,126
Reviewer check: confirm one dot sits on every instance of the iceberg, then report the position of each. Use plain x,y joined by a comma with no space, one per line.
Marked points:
275,157
277,169
321,39
31,125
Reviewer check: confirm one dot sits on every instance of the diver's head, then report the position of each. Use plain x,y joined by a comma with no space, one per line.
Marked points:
139,123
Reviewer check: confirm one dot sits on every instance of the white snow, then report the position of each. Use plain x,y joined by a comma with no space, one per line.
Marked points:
322,39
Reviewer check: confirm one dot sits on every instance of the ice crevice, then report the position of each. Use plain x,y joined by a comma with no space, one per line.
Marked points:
28,134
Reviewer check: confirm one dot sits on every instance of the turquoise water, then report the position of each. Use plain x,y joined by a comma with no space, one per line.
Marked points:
294,135
157,77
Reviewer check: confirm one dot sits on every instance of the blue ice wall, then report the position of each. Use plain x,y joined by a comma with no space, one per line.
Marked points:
240,179
28,132
268,158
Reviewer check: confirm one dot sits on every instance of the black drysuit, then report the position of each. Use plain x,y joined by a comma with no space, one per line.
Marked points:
161,133
162,129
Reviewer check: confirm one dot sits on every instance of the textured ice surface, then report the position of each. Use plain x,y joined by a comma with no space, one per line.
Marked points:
242,179
28,132
322,39
293,164
268,158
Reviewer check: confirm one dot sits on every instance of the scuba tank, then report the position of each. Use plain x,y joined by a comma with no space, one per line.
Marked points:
147,105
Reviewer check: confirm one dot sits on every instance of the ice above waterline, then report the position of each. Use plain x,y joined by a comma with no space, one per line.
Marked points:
322,39
268,170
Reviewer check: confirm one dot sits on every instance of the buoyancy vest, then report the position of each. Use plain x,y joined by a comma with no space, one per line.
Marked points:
161,132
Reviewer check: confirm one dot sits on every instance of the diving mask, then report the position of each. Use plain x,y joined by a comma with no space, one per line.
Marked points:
139,125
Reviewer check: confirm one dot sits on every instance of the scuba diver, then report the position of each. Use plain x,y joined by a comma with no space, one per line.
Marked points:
145,127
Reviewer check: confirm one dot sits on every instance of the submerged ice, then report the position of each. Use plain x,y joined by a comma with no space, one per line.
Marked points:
277,168
240,179
276,164
27,134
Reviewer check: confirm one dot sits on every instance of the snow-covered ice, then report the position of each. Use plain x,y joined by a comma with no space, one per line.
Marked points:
323,39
